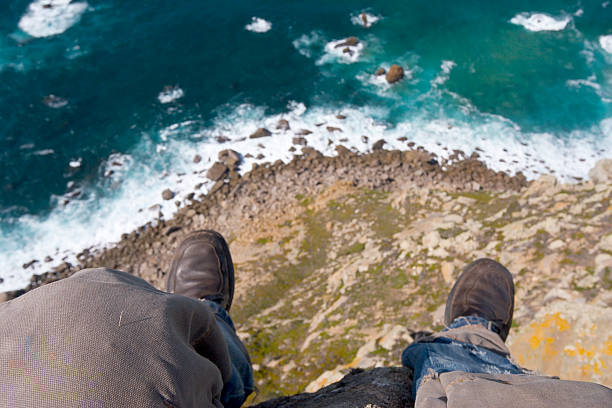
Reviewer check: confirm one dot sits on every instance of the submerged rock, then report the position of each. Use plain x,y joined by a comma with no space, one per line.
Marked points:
380,71
394,74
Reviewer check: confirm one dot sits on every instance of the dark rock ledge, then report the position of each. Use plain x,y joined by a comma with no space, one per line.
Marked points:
385,387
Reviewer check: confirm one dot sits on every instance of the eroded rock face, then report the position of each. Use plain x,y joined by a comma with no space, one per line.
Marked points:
394,74
387,387
568,339
602,172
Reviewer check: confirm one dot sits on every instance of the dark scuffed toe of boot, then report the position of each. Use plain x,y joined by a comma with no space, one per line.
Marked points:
202,268
485,289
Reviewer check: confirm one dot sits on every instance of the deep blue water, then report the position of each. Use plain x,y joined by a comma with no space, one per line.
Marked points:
474,79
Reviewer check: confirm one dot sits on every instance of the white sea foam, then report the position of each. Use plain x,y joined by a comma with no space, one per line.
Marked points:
306,42
579,13
45,18
44,152
541,21
337,51
170,94
369,21
445,69
589,82
258,25
605,41
133,182
75,164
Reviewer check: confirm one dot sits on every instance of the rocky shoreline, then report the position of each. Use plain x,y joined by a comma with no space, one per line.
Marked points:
267,187
342,261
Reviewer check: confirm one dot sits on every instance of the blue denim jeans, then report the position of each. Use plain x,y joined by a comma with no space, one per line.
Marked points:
445,355
240,385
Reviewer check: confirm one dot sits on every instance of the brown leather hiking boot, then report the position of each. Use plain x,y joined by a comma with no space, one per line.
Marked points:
485,289
202,268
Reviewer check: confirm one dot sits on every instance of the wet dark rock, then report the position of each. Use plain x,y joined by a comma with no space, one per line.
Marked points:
332,129
299,141
48,259
283,124
261,132
378,145
217,171
172,229
222,139
349,42
365,139
394,74
260,156
341,117
402,138
303,132
384,387
197,158
342,151
29,264
380,71
167,194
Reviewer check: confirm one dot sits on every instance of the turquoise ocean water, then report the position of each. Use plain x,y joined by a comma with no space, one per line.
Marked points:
103,104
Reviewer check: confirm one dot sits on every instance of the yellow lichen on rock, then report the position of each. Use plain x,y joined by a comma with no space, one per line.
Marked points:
568,340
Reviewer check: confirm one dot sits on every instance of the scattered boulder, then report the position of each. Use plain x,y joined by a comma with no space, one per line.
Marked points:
299,141
349,42
303,132
197,158
378,145
394,74
283,125
380,71
261,132
29,264
222,139
168,194
48,259
217,171
332,129
602,172
364,19
230,158
340,116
